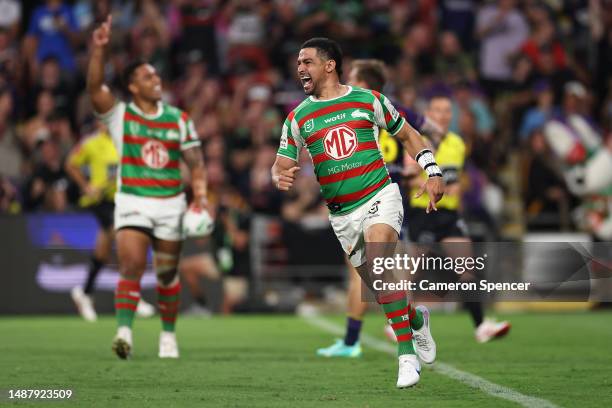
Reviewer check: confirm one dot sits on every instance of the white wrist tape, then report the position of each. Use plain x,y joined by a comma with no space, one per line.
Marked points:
427,161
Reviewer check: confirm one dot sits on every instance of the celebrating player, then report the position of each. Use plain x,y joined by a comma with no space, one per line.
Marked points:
151,137
339,125
370,74
98,185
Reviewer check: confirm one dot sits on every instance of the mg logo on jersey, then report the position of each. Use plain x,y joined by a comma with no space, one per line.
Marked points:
155,154
340,142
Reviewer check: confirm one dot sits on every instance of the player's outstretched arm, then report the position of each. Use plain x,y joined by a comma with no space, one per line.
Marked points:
100,94
283,172
416,147
195,161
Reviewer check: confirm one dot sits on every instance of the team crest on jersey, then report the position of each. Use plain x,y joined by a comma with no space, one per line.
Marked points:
172,135
134,128
155,154
360,114
340,142
309,125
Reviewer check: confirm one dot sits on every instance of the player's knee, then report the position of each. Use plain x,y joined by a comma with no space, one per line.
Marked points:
167,279
381,233
132,267
166,268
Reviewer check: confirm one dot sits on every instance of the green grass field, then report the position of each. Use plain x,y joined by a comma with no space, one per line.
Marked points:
269,361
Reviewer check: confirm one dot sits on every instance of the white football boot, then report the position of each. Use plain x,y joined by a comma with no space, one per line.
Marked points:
84,304
122,343
409,371
168,347
425,346
491,329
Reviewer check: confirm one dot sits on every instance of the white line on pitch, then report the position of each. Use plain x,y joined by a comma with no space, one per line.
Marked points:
448,370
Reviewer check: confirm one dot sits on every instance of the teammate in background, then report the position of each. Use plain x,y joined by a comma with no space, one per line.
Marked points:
150,137
339,124
370,74
446,225
98,157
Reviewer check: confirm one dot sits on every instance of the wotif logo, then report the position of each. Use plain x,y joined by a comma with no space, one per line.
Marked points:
339,116
340,142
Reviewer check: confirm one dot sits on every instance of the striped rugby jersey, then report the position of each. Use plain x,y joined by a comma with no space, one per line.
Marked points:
150,147
341,135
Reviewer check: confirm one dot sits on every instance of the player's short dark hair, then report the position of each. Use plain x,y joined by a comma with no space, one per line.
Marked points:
328,49
372,72
128,73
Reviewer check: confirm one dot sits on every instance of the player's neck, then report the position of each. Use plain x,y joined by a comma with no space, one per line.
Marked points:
147,107
332,90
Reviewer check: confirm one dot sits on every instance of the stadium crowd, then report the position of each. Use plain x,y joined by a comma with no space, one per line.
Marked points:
511,67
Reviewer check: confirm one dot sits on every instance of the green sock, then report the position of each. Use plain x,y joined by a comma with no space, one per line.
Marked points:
127,296
398,317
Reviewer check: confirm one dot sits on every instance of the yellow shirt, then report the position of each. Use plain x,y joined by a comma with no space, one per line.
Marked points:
100,159
450,156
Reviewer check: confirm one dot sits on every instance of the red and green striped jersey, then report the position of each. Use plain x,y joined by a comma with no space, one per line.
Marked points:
341,136
150,147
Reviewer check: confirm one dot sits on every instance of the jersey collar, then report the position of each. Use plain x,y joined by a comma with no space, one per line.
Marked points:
350,89
160,110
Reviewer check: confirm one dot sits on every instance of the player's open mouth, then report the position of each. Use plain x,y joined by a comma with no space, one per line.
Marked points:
306,82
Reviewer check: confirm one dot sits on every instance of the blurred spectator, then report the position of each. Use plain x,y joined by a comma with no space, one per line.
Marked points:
50,79
543,39
536,117
263,197
197,29
10,152
501,29
546,198
47,187
458,17
466,98
9,202
452,63
9,59
53,31
37,127
10,17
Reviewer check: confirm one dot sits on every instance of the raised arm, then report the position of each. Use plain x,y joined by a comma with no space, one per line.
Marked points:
100,94
416,147
283,172
195,161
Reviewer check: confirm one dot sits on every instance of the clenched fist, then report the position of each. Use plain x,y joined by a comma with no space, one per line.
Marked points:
101,35
286,178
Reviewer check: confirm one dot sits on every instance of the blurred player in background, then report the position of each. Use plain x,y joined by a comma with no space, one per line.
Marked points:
446,225
92,165
370,74
151,137
338,124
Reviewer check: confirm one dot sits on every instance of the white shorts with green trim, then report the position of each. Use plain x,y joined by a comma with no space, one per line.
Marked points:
384,208
162,217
